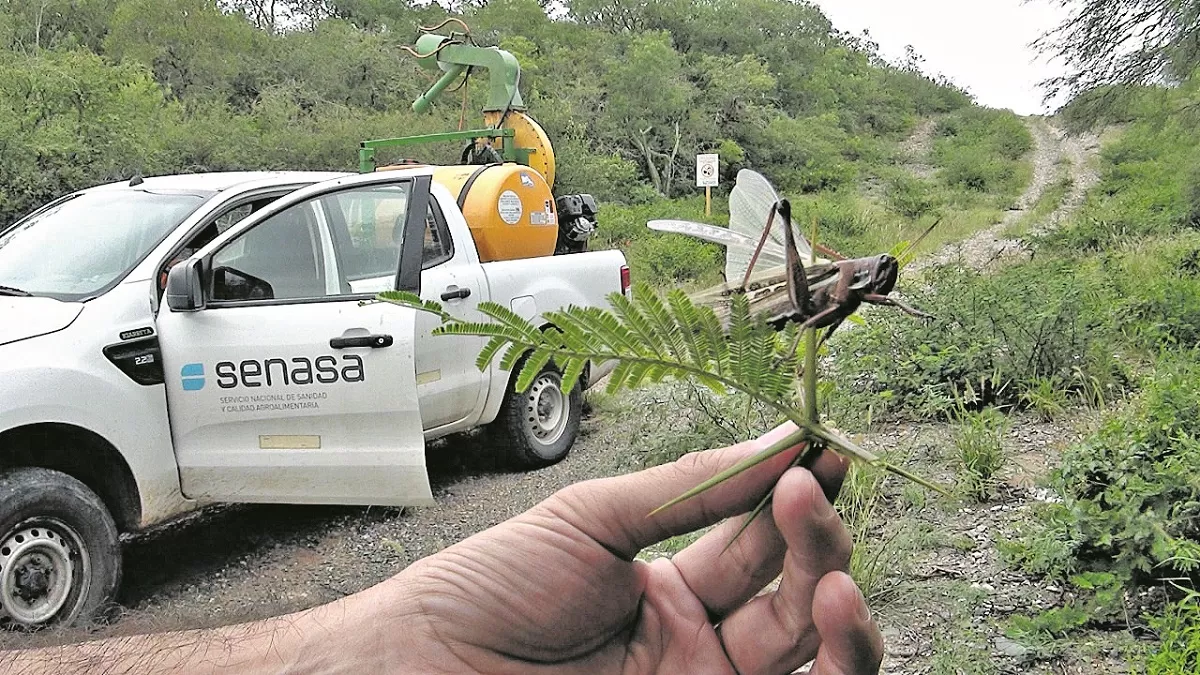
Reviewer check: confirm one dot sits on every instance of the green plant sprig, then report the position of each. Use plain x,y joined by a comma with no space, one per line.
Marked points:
652,338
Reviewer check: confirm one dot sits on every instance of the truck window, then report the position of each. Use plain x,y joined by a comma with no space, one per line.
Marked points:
438,247
222,222
347,242
84,245
370,221
281,258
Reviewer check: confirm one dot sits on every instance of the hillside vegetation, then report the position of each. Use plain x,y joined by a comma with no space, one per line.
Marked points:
100,90
869,151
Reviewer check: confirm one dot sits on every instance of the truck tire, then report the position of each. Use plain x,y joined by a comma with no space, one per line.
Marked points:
60,556
537,428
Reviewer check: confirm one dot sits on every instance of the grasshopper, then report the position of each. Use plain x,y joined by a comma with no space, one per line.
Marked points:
819,295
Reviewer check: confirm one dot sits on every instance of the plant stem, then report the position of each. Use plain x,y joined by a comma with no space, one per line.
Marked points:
810,375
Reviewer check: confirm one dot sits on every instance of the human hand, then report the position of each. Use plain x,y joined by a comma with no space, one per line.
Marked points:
557,588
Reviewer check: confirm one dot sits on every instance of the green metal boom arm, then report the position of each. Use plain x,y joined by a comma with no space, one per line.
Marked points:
504,72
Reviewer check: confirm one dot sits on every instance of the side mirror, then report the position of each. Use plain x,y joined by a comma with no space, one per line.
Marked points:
184,292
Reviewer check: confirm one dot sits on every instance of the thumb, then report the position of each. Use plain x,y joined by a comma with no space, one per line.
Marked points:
613,511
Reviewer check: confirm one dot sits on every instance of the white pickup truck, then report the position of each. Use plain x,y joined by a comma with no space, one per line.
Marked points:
172,342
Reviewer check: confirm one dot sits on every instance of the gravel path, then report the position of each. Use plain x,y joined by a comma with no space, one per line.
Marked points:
1053,150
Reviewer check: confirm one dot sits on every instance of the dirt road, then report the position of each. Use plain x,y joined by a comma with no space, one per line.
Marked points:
1055,155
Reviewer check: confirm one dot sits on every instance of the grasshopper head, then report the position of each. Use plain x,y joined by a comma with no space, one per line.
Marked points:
884,273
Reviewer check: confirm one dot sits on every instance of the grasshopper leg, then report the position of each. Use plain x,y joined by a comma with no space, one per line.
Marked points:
816,320
885,300
761,242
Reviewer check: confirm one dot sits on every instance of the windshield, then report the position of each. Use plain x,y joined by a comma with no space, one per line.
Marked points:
78,248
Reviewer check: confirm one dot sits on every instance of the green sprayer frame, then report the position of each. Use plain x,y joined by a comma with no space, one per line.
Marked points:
511,153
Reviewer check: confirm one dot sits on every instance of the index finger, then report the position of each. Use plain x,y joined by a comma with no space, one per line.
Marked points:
614,511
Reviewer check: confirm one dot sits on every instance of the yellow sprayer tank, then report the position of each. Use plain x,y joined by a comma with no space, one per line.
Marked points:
509,208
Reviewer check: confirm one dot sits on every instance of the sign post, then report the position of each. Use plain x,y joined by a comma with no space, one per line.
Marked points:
707,177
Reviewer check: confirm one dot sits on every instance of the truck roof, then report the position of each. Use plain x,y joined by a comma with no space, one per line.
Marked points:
218,181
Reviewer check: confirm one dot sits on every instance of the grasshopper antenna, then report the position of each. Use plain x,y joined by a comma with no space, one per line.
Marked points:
913,246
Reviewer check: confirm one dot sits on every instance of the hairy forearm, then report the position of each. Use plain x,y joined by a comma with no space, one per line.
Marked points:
343,636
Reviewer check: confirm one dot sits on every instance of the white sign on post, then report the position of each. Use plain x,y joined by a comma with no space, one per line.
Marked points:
707,171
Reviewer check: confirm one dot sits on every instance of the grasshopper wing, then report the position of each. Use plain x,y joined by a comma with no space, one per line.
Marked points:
733,241
750,205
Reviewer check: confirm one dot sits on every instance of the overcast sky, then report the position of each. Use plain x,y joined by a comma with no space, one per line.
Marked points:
982,45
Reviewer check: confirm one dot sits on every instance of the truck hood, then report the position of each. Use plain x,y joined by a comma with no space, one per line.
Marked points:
24,318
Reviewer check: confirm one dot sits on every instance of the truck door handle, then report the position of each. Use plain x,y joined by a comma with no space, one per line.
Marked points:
372,341
456,293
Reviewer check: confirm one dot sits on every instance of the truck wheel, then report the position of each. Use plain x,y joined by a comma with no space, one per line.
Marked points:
538,427
60,556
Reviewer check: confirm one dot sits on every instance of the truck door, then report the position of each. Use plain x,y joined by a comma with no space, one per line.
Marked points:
451,386
284,386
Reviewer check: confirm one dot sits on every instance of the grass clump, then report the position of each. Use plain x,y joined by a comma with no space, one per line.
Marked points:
980,455
883,547
1178,631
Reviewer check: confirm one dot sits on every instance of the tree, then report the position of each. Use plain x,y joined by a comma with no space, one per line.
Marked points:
275,16
31,25
190,44
1123,42
649,100
69,119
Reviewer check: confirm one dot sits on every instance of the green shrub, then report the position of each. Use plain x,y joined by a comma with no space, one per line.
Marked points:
1095,596
993,337
1131,490
910,196
981,150
673,259
808,155
608,177
654,257
1047,546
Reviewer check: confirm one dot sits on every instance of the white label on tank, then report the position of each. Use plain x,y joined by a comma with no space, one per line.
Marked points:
510,207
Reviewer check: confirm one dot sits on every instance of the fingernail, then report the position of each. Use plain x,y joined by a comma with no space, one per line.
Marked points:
864,612
821,506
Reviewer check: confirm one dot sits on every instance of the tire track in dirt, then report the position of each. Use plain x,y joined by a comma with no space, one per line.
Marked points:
1053,150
